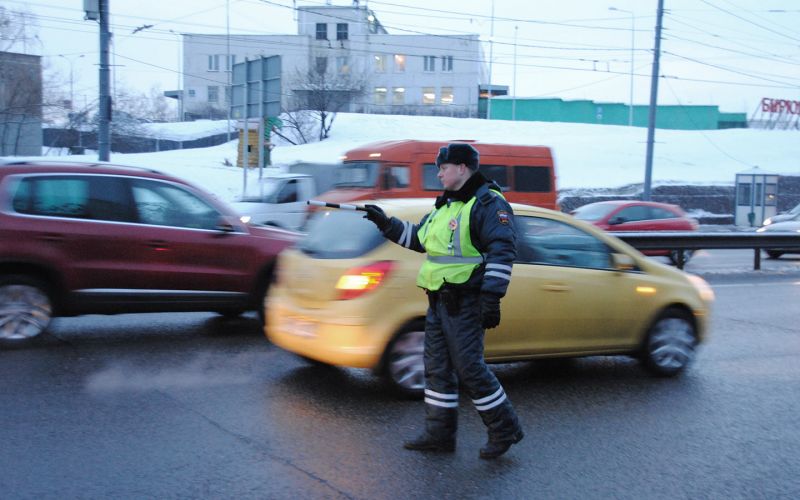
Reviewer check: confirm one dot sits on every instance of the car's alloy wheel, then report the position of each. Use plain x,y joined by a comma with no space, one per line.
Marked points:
670,344
674,255
25,308
404,363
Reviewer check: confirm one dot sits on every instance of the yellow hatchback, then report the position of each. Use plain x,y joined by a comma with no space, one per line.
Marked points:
346,296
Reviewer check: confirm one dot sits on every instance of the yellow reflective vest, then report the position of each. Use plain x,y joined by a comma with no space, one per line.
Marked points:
451,255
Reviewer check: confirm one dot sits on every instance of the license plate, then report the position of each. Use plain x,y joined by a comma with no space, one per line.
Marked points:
301,327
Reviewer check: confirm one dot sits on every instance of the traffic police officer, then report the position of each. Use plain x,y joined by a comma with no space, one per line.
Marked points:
469,239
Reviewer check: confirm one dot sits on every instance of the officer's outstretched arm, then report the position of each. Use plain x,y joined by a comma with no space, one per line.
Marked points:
404,233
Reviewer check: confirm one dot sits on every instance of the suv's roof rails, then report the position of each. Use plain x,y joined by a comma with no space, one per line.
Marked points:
78,162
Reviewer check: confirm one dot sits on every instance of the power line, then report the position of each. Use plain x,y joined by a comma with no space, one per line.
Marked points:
733,70
691,119
750,22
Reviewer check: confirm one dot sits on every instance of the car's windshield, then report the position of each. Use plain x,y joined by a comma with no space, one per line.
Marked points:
593,211
264,191
357,174
795,210
339,234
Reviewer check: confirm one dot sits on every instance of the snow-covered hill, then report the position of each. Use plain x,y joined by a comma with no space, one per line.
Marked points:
587,156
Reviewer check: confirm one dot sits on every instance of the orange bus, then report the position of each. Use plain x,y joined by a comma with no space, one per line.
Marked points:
406,169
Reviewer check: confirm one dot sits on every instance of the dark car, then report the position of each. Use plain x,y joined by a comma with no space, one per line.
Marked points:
95,238
786,226
632,215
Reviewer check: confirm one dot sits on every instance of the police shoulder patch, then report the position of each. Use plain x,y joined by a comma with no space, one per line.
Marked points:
502,216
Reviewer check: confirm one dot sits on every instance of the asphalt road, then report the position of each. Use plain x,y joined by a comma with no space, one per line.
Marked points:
191,406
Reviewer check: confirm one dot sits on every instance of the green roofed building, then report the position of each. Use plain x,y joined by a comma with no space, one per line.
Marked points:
613,113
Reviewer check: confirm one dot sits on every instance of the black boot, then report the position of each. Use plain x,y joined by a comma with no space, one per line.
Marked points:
496,447
426,442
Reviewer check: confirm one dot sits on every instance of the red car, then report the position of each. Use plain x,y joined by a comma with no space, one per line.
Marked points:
96,238
631,215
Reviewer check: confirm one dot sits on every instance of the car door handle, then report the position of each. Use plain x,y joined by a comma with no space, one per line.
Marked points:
51,237
555,287
158,245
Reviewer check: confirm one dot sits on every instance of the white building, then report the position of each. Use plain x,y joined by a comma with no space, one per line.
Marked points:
399,74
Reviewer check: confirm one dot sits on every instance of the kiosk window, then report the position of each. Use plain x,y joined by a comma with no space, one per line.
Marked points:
532,179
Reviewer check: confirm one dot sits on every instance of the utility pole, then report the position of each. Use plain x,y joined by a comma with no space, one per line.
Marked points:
103,133
651,120
491,48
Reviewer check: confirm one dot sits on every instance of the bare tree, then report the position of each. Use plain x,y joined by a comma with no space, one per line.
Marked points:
18,29
151,106
321,95
20,102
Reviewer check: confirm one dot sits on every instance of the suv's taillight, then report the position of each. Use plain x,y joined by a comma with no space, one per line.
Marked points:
357,281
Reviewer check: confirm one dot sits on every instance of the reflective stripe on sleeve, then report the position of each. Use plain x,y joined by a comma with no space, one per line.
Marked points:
506,277
405,238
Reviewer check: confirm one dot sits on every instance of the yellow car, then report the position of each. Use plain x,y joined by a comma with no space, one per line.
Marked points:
346,296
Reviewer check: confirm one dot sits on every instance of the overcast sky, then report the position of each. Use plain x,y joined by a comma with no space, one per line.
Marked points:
729,53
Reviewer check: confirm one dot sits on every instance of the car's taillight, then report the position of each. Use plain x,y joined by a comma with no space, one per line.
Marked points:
357,281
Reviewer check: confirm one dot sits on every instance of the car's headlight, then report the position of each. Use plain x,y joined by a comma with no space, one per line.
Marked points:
767,221
703,288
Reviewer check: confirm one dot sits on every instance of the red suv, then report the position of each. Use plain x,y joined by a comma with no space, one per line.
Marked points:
631,215
97,238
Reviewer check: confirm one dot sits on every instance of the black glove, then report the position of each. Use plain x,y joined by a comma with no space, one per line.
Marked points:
490,310
376,216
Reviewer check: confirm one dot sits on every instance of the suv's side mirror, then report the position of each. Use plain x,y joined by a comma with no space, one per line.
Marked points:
225,226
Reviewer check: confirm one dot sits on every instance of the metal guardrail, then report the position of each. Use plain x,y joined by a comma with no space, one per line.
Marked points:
692,240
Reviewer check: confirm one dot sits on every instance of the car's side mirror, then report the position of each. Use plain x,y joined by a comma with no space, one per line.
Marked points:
622,262
225,226
617,220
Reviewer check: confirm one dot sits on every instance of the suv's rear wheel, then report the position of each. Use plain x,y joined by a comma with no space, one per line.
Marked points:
25,308
670,344
404,365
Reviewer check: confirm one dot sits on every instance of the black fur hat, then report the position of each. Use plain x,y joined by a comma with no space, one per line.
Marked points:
458,152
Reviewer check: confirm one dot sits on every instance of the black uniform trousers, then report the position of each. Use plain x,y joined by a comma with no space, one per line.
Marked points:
453,355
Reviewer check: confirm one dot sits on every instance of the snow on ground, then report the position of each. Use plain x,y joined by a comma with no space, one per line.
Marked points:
588,157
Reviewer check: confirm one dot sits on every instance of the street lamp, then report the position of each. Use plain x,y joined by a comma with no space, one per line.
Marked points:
71,77
633,32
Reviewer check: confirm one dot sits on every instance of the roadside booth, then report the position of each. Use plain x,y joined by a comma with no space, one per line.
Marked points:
756,197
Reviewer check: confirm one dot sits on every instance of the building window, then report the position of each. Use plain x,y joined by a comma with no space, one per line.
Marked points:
447,63
399,63
380,63
213,63
379,96
322,65
322,31
428,95
230,62
398,95
213,93
343,65
430,63
227,94
447,95
191,93
341,31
